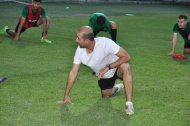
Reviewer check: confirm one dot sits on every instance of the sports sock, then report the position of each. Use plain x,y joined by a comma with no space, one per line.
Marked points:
45,32
7,30
113,91
114,35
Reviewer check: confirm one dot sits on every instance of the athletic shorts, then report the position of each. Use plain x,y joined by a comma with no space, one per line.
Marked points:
187,45
108,83
23,28
96,32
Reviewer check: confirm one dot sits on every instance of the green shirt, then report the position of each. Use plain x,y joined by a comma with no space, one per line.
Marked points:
95,26
25,12
183,32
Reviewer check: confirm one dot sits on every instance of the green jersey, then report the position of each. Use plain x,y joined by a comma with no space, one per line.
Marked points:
95,26
25,12
183,32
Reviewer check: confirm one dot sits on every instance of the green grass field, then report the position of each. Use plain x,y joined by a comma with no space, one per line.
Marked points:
37,72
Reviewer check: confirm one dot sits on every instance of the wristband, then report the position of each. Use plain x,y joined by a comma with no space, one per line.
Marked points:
109,66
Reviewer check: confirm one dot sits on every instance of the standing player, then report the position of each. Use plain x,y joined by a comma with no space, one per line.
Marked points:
99,22
108,60
33,15
182,27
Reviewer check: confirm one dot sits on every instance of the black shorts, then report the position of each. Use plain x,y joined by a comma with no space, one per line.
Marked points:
96,32
108,83
23,28
187,45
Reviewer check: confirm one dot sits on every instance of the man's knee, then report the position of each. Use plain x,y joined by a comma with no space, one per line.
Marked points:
113,25
40,21
48,18
187,51
125,66
124,69
106,93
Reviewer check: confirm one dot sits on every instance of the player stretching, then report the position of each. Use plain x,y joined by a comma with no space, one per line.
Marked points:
33,15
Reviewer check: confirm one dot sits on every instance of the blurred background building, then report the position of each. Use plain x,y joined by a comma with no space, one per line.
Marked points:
111,1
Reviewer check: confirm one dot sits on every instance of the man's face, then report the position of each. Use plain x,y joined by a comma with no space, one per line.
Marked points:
81,42
182,23
100,21
36,4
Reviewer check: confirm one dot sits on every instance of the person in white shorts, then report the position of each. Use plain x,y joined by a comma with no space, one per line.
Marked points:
108,60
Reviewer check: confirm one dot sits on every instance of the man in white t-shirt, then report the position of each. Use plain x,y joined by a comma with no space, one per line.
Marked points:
108,60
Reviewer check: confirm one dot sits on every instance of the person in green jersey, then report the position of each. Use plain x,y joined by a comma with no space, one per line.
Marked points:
183,28
33,15
99,22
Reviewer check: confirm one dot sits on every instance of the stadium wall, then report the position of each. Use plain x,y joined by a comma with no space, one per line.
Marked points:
109,1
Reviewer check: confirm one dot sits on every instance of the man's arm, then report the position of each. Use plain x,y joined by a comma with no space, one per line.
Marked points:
92,22
44,28
70,82
22,20
44,23
174,43
107,26
123,58
17,35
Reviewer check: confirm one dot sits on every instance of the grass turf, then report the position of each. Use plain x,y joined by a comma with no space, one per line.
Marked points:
37,72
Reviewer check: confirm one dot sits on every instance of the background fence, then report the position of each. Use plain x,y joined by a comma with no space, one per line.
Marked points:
110,1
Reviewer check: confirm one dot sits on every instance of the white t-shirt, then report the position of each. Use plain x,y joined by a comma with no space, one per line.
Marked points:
102,55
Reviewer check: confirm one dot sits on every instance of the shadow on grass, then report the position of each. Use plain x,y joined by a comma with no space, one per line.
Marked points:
100,114
22,43
26,43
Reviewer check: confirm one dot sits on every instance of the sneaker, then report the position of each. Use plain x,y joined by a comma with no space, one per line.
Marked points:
119,86
129,108
5,28
116,89
45,40
3,31
2,79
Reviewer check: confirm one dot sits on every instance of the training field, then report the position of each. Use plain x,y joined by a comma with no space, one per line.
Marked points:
37,72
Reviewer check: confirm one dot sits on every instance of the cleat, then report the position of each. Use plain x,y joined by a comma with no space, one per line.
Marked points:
116,89
2,79
5,28
45,40
3,31
129,108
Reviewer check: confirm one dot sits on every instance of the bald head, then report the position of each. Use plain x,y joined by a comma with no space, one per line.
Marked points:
86,32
